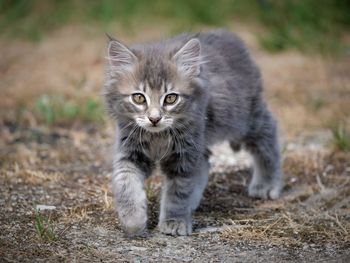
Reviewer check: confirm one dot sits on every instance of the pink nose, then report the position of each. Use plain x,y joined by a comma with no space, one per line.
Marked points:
154,120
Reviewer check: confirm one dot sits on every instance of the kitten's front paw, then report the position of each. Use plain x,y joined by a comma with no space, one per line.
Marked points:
265,190
176,227
134,224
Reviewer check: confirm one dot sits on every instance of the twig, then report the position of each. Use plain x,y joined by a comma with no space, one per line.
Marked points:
292,223
320,184
64,230
269,226
250,220
344,184
336,220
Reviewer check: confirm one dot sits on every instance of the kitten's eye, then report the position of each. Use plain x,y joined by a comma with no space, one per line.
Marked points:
170,98
138,98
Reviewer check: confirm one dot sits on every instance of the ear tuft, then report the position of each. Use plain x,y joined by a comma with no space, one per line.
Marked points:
121,58
188,58
110,38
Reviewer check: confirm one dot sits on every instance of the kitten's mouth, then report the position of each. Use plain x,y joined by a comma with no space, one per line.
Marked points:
154,128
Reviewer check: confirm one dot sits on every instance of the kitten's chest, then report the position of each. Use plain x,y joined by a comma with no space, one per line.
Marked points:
159,147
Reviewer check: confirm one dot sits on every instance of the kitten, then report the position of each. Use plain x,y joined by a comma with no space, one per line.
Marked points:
171,100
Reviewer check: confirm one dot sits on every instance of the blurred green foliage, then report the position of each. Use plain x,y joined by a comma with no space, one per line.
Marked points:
58,109
341,138
307,25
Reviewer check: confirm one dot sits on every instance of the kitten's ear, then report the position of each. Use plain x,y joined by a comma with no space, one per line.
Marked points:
110,38
121,58
188,58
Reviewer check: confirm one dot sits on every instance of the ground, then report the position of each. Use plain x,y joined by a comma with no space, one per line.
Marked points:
66,165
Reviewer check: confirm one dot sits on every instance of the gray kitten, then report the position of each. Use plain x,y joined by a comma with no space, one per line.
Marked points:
171,100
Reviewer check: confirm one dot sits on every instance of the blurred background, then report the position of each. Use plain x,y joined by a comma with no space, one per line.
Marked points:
55,137
52,53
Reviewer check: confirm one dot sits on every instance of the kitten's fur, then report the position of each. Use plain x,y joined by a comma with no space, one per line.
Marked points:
219,98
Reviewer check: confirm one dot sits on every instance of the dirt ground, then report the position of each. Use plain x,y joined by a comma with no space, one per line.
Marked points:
68,167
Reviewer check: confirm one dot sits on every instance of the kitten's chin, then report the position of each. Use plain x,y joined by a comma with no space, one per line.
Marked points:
155,129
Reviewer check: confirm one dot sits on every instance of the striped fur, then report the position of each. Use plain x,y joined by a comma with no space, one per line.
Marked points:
218,93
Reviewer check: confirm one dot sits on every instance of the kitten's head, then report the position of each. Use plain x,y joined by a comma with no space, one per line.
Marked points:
155,86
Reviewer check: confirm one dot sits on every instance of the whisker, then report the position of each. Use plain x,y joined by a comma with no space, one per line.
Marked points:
141,132
166,134
134,129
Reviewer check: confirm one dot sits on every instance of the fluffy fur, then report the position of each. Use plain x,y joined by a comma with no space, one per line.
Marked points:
218,93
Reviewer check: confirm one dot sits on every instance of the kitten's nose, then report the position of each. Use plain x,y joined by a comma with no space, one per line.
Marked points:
154,120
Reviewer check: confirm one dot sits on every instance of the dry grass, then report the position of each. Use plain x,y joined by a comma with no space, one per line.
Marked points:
314,210
320,219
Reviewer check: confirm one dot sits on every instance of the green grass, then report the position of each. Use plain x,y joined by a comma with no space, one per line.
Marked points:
58,109
317,103
306,25
341,138
44,228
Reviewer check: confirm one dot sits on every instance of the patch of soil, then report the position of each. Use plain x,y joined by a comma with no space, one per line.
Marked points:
67,169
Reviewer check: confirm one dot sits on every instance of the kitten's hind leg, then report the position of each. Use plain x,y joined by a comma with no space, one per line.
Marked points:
262,143
181,195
